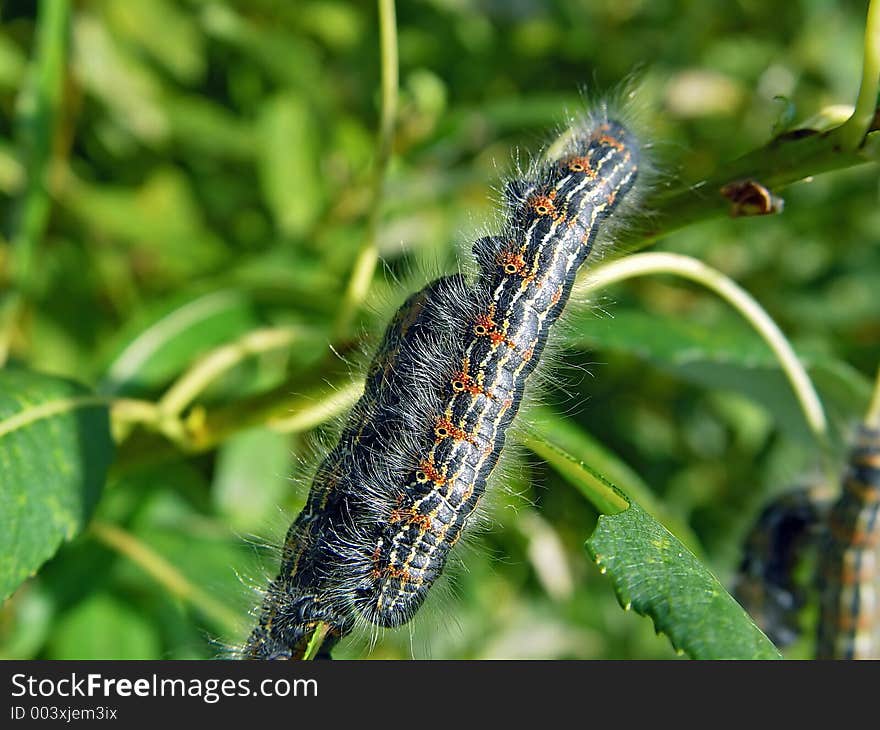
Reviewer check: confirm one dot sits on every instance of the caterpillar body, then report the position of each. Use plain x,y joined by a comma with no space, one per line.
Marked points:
849,575
847,534
765,583
391,500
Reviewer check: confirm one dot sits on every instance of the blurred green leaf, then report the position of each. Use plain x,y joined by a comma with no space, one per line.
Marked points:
288,160
55,448
12,63
205,127
724,355
25,621
162,342
160,220
287,57
251,478
168,34
38,110
11,170
657,576
128,87
569,438
104,627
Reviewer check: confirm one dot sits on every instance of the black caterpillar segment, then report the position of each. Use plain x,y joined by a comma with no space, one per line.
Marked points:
551,231
392,498
300,597
849,576
765,583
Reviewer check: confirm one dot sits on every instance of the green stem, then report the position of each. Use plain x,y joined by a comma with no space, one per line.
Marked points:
126,413
165,574
592,485
695,270
785,160
220,360
38,114
306,415
368,255
314,645
872,418
853,132
202,430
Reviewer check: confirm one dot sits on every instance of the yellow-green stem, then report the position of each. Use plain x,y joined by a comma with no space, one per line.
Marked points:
853,132
368,255
220,360
873,416
165,574
695,270
318,636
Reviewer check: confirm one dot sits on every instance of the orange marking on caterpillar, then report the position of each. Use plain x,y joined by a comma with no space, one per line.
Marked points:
854,537
543,205
862,572
394,572
485,326
610,141
462,382
411,517
864,492
446,429
869,460
431,473
862,621
511,262
580,163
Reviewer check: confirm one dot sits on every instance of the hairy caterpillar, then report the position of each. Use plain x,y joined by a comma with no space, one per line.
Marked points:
849,577
765,583
392,498
847,533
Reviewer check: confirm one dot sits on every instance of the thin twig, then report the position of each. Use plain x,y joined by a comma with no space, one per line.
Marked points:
695,270
220,360
166,574
38,115
853,132
368,255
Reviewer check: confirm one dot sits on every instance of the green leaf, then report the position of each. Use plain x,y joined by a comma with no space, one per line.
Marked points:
159,221
657,576
12,63
27,621
160,343
726,355
164,32
288,163
103,627
252,477
568,449
55,448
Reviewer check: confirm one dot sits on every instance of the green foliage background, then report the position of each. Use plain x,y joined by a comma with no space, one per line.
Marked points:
210,175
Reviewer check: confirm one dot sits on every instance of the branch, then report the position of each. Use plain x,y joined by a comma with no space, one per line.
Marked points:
368,255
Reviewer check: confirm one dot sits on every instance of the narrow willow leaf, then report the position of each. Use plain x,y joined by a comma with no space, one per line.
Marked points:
104,627
288,163
657,576
55,448
568,449
726,356
161,342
